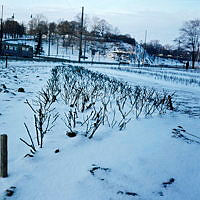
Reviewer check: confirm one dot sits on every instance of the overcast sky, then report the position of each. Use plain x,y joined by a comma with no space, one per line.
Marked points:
161,18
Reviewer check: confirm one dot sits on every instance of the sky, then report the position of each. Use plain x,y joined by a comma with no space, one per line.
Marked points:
162,19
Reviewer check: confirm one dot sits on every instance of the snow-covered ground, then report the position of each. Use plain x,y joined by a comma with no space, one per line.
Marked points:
142,161
139,55
71,53
184,84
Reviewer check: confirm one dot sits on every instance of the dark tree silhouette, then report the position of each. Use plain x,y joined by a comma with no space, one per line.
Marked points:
190,38
13,28
38,46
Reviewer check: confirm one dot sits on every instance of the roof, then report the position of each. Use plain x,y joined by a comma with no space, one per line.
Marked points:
22,45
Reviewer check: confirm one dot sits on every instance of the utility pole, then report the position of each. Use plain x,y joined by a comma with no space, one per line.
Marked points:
145,41
178,51
1,33
85,49
81,36
49,47
57,45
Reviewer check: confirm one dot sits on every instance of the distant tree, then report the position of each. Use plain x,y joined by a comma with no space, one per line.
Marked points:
51,34
190,38
38,24
22,30
13,28
42,27
120,38
94,26
104,27
64,28
86,21
52,27
154,47
116,31
101,27
38,46
75,27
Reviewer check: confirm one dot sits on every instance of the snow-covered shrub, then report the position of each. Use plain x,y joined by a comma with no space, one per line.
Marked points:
44,115
94,99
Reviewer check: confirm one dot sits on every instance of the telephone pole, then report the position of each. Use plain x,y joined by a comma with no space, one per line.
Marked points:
81,36
49,46
144,48
1,33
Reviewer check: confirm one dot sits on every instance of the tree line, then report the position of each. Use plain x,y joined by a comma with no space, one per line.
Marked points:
96,28
187,44
14,29
67,32
155,48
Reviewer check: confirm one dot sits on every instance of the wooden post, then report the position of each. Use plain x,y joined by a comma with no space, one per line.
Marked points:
3,156
6,61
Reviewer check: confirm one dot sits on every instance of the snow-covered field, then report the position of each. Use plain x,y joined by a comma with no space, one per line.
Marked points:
72,52
142,161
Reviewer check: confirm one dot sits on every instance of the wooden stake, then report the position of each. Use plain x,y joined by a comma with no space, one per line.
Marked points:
3,156
6,61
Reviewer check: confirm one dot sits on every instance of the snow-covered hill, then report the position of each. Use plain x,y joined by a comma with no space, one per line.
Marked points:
105,52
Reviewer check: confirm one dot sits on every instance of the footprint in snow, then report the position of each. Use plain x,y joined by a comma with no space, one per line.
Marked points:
165,185
102,173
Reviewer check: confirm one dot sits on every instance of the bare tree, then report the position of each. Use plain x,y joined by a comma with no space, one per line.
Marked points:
100,27
116,31
52,27
38,24
86,20
190,38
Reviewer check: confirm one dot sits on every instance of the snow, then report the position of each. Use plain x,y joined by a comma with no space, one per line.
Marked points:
104,52
135,161
184,84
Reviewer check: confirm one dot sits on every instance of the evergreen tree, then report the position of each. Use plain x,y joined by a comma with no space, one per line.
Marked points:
38,46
